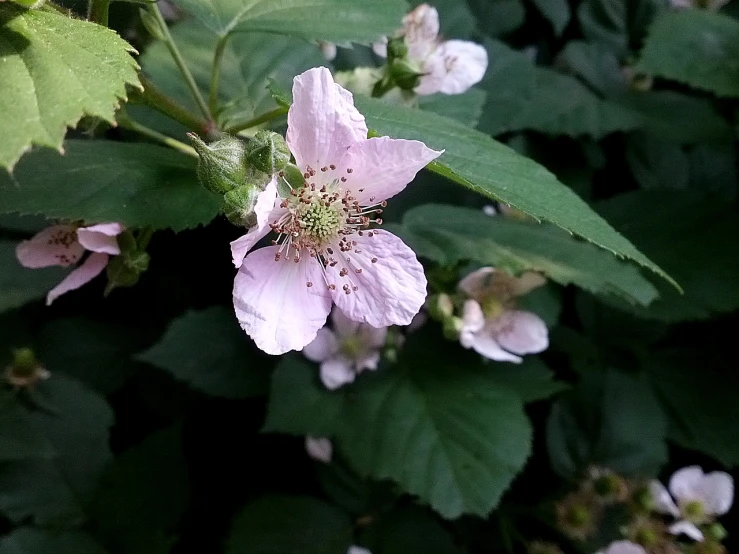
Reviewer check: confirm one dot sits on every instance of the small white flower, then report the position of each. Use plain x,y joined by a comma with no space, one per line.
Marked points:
319,448
357,550
345,351
490,324
700,498
623,547
489,210
449,67
328,49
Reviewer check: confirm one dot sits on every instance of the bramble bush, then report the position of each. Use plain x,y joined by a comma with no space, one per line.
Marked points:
351,277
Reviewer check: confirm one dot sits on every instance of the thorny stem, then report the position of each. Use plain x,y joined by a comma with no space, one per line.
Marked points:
98,11
179,60
216,74
127,123
156,99
269,116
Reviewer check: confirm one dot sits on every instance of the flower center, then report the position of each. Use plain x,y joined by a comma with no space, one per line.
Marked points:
693,511
352,347
319,221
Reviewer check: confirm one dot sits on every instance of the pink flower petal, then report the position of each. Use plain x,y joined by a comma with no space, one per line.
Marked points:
476,283
368,361
55,245
717,491
319,448
336,372
381,167
390,291
453,68
662,500
685,483
373,337
484,343
472,317
273,303
521,332
266,213
624,547
101,238
90,268
322,122
686,528
322,347
343,326
421,28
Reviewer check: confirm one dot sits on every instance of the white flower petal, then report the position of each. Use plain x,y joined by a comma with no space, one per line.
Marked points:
368,361
86,272
319,448
662,500
380,47
686,528
343,326
357,550
483,342
101,238
273,303
473,320
624,547
336,372
717,492
453,67
322,347
390,291
322,121
521,332
685,484
421,28
476,283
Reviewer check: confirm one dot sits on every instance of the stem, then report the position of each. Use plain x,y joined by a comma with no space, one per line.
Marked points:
156,99
179,60
98,12
143,238
238,127
127,123
216,74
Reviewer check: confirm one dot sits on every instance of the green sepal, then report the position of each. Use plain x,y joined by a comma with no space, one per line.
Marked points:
238,205
267,152
222,164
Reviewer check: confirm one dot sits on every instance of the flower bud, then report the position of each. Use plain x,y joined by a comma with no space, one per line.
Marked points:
238,205
441,307
396,48
643,500
222,164
717,532
25,370
452,328
268,152
404,74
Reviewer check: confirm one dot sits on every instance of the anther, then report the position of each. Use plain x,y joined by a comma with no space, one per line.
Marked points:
332,166
349,170
358,270
374,260
309,284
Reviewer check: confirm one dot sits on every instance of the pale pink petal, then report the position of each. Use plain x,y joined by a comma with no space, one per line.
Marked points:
368,361
266,213
328,49
421,27
90,268
624,547
662,500
55,245
686,528
472,317
343,326
390,291
373,337
527,281
322,122
273,303
476,283
682,4
685,484
381,167
101,237
521,332
484,343
336,372
322,347
319,448
453,68
380,47
357,550
717,491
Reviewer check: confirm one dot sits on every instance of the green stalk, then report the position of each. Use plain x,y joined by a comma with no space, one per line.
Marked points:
155,98
216,74
179,60
269,116
98,11
127,123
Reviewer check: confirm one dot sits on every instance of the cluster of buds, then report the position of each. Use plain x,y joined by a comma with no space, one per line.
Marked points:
239,170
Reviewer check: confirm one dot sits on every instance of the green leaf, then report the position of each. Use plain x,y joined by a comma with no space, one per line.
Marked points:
618,24
19,284
29,540
54,70
250,62
505,242
698,389
498,17
545,100
489,168
143,494
225,368
657,164
75,421
557,12
409,529
97,181
290,525
444,428
465,108
19,437
456,20
610,420
330,20
595,64
696,47
694,237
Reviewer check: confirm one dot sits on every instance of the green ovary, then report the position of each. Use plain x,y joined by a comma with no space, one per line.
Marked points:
319,221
